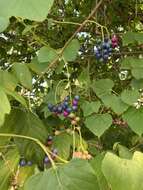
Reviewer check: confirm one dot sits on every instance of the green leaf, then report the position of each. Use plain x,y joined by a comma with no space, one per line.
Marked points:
96,164
131,63
29,9
102,87
7,80
27,124
12,159
115,103
63,143
90,107
123,151
132,37
47,54
71,51
137,84
134,118
4,22
16,96
130,96
24,173
72,176
23,74
137,73
84,79
123,174
4,107
98,124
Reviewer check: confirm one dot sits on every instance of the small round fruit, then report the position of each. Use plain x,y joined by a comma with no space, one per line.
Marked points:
50,107
77,119
29,163
55,151
46,160
65,113
73,122
55,109
50,138
74,108
22,162
69,110
75,103
66,104
59,109
72,116
98,56
77,97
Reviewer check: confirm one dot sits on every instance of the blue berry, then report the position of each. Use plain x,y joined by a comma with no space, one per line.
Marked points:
22,163
46,160
98,55
77,97
110,50
50,107
66,104
69,110
29,163
59,109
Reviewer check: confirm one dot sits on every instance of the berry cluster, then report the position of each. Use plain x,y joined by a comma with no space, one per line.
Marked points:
24,162
82,155
65,108
54,151
103,49
53,156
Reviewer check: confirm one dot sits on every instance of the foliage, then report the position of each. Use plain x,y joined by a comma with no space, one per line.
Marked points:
71,91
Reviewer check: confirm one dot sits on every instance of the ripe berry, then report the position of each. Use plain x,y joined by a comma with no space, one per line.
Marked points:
55,109
46,160
65,113
66,104
22,163
69,110
75,103
29,163
50,107
77,97
74,108
59,109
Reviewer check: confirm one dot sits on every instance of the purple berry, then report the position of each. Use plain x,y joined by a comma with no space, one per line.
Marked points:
55,109
66,104
74,108
22,163
75,102
46,160
98,55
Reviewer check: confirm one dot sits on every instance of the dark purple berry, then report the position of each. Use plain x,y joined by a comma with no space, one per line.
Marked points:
98,56
55,109
110,50
22,163
46,160
59,109
29,163
105,57
74,108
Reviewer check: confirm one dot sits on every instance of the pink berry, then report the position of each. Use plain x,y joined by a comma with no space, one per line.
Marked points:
114,39
65,113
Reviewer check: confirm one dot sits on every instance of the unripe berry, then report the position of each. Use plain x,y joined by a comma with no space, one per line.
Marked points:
77,119
73,122
72,116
